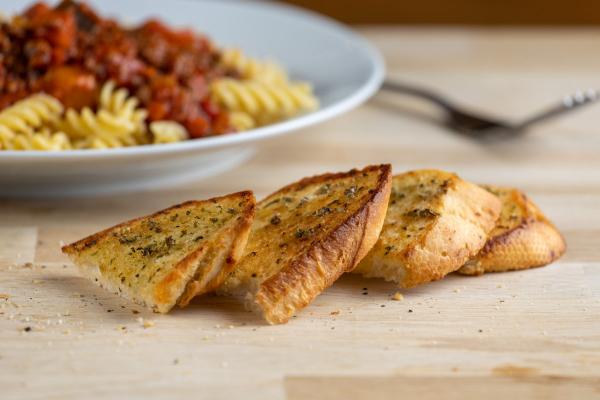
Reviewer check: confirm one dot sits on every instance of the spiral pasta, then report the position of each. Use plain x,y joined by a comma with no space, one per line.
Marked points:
118,121
97,129
167,132
42,140
19,124
28,114
264,102
241,121
118,103
262,94
253,69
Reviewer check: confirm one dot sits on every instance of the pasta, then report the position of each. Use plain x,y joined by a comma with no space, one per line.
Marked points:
188,92
167,132
241,121
253,69
39,121
264,102
118,121
19,122
26,115
118,103
263,95
43,140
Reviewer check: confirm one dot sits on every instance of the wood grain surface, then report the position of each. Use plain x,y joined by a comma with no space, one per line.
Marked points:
527,334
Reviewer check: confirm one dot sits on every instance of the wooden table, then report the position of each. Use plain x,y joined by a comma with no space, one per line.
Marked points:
534,332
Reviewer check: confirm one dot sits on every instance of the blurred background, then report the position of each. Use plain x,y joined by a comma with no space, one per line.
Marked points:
456,12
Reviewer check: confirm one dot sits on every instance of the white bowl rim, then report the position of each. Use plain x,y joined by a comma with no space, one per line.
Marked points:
366,90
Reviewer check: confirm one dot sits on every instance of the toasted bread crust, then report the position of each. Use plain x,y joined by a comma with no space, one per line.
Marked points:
531,241
200,271
458,231
305,236
295,286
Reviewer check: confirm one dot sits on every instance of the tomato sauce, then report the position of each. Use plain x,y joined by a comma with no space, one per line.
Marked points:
69,51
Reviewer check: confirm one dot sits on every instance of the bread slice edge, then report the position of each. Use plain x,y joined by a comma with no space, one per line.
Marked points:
193,259
438,253
535,242
296,285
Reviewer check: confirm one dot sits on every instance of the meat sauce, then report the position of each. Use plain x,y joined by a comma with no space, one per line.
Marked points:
69,51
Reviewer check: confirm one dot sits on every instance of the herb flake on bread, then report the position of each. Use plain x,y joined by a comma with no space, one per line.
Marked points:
434,224
522,238
305,236
171,256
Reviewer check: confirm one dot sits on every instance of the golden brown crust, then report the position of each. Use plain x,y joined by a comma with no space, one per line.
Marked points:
459,216
198,264
306,235
294,287
525,238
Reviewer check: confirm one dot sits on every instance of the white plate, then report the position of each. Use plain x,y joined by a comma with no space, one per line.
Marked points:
344,69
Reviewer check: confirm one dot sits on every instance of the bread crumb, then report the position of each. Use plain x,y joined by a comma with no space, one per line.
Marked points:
398,296
336,312
457,290
4,296
146,323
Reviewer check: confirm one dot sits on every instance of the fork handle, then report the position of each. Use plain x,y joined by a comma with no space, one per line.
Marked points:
577,100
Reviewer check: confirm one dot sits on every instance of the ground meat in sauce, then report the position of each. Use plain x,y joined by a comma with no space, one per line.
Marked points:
69,51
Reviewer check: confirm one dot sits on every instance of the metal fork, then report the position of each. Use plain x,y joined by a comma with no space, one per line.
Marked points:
484,127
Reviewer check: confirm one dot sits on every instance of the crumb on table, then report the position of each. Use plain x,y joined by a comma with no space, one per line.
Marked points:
398,296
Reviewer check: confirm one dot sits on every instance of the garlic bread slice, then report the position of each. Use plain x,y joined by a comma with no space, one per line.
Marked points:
523,237
434,224
171,256
305,236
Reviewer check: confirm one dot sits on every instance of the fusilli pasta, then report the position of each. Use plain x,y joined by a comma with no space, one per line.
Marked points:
43,140
264,102
117,123
263,94
241,121
119,103
253,69
167,132
19,123
30,113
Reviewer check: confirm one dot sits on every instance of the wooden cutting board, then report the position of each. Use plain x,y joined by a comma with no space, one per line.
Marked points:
533,334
